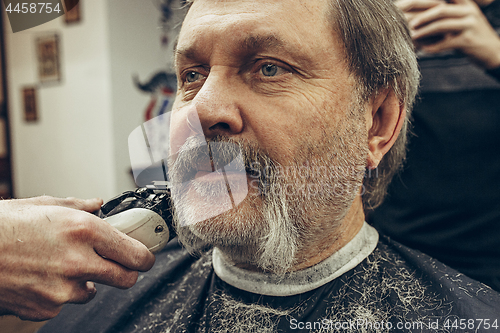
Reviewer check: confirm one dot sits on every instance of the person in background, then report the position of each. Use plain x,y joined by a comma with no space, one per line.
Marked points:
446,201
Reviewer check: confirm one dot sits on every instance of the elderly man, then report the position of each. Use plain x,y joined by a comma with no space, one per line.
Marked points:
314,97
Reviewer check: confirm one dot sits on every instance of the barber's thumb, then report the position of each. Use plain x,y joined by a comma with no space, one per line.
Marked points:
87,205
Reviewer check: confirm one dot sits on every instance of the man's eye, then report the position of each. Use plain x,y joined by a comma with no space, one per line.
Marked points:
193,76
269,70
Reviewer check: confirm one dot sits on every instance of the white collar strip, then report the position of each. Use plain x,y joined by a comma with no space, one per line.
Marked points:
345,259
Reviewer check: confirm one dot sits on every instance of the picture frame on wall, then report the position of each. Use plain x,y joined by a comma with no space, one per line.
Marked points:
30,104
47,50
73,13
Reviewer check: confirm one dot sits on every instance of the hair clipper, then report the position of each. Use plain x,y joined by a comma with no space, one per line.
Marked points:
144,214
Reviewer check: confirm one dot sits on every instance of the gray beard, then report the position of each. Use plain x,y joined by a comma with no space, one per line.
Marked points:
243,236
286,211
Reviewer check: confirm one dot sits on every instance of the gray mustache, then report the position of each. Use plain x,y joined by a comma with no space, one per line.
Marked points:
213,155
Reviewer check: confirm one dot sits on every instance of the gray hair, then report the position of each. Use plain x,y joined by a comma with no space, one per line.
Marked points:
380,54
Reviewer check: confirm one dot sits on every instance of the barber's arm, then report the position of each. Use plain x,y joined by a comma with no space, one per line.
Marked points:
52,250
461,24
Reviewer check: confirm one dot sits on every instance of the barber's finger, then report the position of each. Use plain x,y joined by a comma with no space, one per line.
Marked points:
437,15
417,5
88,205
449,42
83,292
462,2
117,246
440,28
110,273
107,241
87,265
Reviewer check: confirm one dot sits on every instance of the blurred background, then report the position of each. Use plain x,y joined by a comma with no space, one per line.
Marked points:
68,97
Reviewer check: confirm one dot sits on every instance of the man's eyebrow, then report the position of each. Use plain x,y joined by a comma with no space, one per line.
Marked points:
250,44
261,42
189,53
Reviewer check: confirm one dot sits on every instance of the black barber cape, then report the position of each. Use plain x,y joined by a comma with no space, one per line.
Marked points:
370,285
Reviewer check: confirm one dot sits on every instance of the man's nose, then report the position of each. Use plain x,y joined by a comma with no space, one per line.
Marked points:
218,104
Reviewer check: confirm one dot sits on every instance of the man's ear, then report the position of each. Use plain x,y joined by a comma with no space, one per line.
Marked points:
385,118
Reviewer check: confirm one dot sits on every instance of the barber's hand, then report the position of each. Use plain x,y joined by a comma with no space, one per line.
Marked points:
460,24
50,251
411,8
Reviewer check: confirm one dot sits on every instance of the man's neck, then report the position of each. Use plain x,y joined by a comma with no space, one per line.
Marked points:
332,239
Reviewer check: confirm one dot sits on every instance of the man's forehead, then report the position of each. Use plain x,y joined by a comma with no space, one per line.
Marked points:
254,24
306,5
263,12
